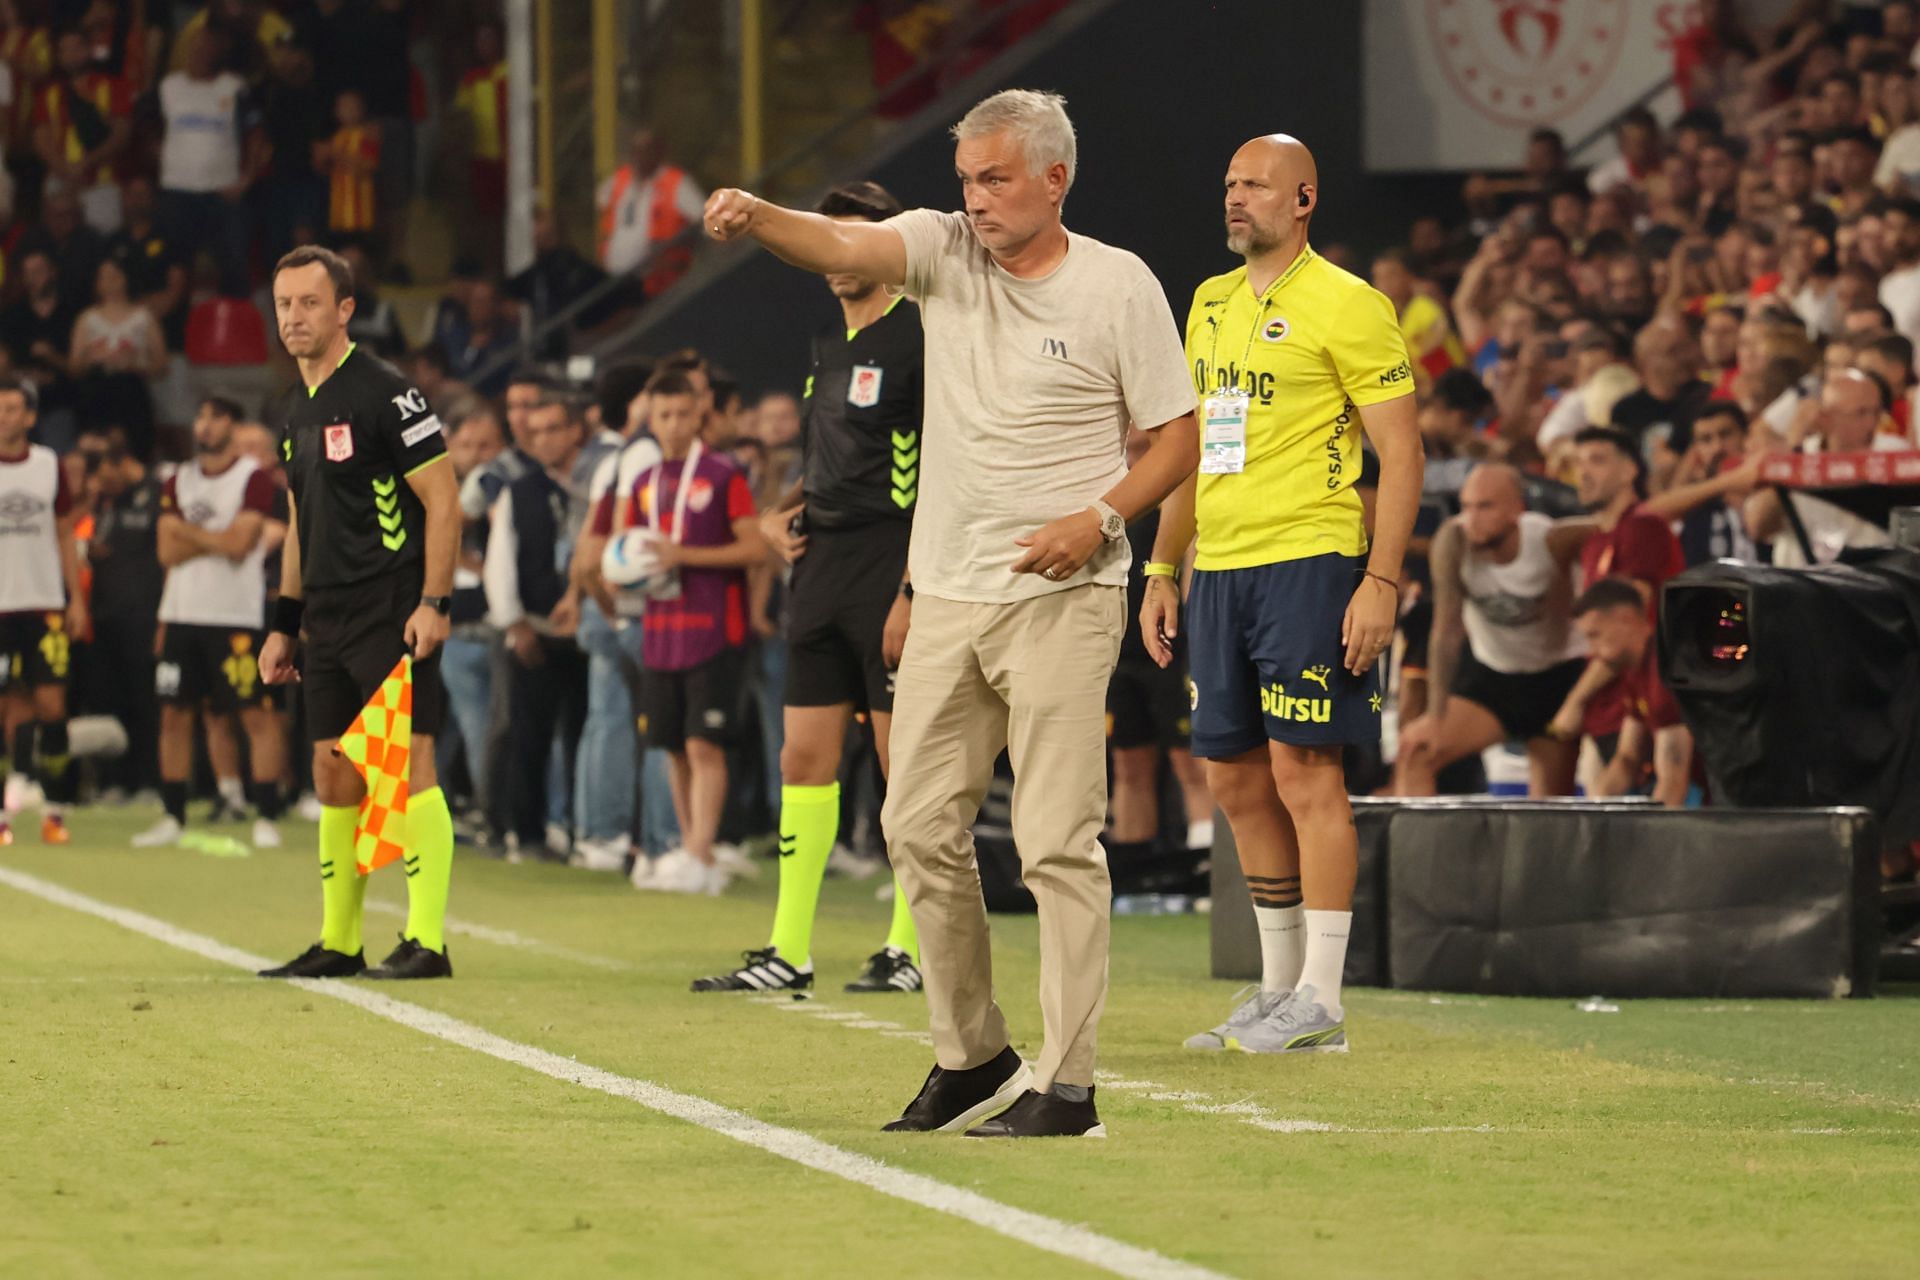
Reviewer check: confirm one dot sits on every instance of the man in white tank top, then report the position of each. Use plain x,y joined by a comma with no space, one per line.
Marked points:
1503,653
213,515
42,611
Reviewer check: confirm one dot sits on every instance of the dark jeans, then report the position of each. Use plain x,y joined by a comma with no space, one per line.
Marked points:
545,697
196,220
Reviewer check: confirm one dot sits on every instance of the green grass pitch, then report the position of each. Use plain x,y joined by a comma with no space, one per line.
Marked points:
162,1114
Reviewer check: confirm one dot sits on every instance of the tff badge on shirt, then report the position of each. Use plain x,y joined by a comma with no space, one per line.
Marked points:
864,391
339,442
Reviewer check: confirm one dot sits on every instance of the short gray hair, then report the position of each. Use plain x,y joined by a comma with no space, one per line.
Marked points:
1036,118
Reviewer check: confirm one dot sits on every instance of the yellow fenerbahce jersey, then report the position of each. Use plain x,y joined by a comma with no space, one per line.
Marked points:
1321,342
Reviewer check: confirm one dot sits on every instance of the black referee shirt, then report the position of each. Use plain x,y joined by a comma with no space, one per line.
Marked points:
349,446
860,433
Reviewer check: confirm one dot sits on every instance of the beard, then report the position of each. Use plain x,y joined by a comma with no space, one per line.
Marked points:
1251,239
207,447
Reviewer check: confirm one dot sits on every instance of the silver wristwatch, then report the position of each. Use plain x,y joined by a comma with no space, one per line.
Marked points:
1113,525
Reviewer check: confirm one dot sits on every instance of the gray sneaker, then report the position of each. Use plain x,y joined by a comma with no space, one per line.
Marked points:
1299,1025
1248,1012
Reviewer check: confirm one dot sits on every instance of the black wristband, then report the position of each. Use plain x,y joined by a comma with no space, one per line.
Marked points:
287,611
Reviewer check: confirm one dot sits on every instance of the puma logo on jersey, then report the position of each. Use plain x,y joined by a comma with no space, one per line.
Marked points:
1318,675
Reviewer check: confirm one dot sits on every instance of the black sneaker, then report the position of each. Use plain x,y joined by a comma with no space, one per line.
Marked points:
951,1100
318,962
411,960
764,971
888,969
1044,1115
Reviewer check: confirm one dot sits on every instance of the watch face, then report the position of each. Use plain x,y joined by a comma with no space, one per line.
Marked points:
1113,526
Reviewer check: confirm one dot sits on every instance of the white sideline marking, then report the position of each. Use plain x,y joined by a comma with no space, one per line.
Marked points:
508,938
1020,1225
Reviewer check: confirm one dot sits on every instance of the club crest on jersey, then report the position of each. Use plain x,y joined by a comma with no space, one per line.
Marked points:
339,441
700,494
1275,330
864,391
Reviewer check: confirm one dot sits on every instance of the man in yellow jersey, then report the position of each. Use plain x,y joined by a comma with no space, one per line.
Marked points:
1292,358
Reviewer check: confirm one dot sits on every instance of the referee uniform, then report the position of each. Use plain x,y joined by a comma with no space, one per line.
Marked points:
1281,542
861,443
349,446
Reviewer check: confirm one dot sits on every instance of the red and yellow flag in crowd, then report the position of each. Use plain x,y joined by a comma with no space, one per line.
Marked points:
376,745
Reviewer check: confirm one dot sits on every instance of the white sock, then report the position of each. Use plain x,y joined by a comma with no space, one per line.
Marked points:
233,792
1282,939
1200,834
1326,955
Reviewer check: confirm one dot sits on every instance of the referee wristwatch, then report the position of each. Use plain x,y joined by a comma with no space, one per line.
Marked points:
442,605
1113,525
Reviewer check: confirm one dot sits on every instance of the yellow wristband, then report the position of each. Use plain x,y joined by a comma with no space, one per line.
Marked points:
1156,569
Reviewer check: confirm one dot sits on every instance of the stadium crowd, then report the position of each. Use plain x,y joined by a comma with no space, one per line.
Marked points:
1604,355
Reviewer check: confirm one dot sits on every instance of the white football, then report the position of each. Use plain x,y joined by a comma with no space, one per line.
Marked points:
631,562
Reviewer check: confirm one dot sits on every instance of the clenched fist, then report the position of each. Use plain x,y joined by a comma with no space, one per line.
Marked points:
729,213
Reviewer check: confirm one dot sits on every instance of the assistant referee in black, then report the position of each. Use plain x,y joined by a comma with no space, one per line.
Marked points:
368,569
844,529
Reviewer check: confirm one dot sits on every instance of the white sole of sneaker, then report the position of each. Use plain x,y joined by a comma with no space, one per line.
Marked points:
1015,1086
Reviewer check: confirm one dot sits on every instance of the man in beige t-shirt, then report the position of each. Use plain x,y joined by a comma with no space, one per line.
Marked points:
1042,346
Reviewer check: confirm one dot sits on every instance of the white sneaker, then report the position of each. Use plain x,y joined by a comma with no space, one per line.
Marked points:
681,872
885,892
641,877
308,807
718,879
559,840
265,834
164,832
1200,834
850,865
729,858
23,793
599,855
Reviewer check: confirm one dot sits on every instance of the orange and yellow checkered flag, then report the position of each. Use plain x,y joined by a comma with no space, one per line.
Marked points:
376,745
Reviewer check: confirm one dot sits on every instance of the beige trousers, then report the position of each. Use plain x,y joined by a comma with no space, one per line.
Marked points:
1032,678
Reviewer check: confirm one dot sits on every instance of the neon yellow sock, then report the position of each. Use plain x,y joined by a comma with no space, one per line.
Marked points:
902,936
429,868
343,890
809,819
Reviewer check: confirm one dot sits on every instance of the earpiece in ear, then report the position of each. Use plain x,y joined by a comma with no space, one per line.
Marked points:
1303,195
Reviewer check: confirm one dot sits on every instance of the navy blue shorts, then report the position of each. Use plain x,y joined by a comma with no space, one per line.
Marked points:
1264,648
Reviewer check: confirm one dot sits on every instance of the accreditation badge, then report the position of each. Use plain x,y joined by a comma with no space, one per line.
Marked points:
1223,435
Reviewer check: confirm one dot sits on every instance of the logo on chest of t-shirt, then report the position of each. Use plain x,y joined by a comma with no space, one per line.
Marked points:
200,512
17,507
700,495
339,439
1276,330
864,391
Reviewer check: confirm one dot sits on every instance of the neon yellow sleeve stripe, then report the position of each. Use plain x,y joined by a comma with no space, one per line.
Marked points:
438,457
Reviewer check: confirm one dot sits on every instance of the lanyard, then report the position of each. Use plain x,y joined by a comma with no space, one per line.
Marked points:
1266,299
679,534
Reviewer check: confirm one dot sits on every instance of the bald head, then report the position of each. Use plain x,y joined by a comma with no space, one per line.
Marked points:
1851,406
1491,502
1271,188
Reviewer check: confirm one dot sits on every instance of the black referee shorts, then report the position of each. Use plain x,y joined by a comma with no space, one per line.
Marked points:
838,601
355,635
1148,706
